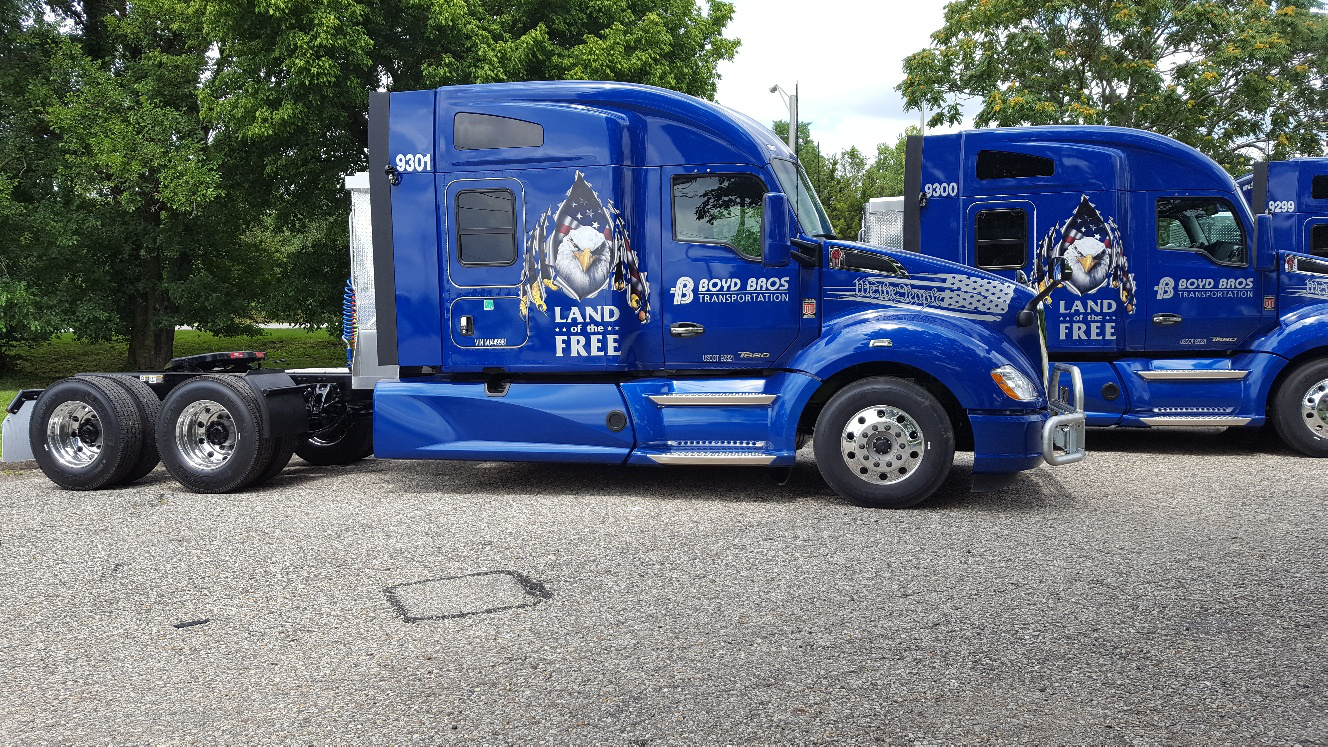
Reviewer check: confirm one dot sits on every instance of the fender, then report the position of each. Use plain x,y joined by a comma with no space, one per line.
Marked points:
1300,332
958,353
282,400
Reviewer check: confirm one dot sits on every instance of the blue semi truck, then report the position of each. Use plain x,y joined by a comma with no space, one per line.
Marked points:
604,273
1295,194
1182,308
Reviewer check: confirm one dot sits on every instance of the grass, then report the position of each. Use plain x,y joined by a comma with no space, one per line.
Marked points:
39,365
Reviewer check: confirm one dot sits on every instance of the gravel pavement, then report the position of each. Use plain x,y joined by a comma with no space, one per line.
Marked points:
1170,589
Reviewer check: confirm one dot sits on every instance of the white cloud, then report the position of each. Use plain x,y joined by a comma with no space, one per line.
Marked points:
845,55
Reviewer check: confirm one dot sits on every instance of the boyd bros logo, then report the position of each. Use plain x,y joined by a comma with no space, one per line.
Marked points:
580,247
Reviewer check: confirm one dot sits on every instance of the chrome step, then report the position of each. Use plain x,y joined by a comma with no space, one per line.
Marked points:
734,458
1193,374
1205,421
713,399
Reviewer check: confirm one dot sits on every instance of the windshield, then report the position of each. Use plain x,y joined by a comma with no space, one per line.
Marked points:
807,206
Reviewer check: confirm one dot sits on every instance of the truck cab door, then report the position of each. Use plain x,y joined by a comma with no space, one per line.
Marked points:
722,308
1205,294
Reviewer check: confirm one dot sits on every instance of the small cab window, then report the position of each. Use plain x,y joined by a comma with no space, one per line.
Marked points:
999,164
484,131
719,209
1319,240
1319,187
486,227
1001,239
1201,224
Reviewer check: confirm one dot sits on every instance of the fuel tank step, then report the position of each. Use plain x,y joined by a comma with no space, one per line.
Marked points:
733,458
1204,421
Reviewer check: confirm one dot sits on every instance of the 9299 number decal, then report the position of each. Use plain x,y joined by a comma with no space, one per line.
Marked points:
414,162
1281,206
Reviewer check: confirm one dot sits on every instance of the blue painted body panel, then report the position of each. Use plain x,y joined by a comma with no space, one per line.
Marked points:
1106,185
601,175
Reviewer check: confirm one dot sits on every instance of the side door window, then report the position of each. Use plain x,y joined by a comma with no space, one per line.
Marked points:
1206,225
719,210
1318,239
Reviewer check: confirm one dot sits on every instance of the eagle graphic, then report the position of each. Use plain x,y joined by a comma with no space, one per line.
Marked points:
1091,245
580,247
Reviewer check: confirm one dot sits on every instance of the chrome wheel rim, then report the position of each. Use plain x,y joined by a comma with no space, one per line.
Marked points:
882,445
74,435
205,435
1314,409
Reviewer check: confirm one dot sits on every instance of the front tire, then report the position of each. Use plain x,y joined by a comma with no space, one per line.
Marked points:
85,433
884,443
210,435
1300,409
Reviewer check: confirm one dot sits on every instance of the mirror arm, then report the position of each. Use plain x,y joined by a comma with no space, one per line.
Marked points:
811,256
1028,314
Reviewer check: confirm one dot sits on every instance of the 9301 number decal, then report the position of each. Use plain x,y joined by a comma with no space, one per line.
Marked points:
940,189
414,162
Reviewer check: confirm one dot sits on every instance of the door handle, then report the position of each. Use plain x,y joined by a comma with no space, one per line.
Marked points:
1166,319
686,329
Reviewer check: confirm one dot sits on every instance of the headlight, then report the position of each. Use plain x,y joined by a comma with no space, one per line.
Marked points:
1015,385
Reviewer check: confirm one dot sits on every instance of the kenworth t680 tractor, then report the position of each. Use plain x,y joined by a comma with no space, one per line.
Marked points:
607,273
1182,308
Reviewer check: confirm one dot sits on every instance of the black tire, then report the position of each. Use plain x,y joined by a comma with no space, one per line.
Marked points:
149,412
214,449
282,452
892,418
85,433
1300,409
354,443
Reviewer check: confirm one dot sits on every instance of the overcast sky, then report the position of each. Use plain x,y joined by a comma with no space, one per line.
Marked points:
846,56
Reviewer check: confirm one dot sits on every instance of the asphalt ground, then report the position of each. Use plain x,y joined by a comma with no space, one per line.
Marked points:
1169,590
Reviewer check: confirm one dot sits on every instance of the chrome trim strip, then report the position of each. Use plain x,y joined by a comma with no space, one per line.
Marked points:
733,458
1204,421
1190,374
704,399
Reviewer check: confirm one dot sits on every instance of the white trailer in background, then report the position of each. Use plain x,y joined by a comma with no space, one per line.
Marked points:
883,222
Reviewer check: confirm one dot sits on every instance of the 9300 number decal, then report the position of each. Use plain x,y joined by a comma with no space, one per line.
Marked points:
413,161
940,189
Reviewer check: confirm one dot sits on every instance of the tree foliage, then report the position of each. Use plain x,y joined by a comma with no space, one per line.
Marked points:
167,162
1231,77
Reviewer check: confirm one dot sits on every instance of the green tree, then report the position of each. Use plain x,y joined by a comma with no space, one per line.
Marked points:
1230,77
168,162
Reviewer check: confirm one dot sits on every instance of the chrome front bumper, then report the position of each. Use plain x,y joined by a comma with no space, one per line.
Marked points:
1063,433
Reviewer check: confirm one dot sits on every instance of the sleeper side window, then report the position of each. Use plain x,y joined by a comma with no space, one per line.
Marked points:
1207,225
1319,240
484,131
1319,187
1001,239
719,209
999,164
486,227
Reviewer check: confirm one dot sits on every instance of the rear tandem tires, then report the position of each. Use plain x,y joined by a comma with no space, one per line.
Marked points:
86,433
1300,409
209,435
884,443
149,411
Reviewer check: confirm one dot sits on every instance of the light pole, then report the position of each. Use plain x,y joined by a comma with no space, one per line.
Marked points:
791,100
